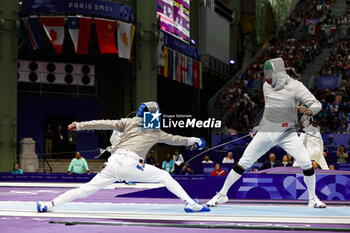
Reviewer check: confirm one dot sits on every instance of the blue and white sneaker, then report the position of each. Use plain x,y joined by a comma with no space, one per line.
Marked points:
217,199
316,203
196,207
43,206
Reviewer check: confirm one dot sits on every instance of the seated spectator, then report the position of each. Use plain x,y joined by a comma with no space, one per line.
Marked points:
330,143
272,162
186,170
151,160
16,169
228,158
168,164
290,159
178,158
315,165
331,167
342,155
285,162
218,171
207,159
78,165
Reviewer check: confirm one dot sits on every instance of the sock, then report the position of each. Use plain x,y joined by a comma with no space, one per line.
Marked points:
174,187
310,182
231,178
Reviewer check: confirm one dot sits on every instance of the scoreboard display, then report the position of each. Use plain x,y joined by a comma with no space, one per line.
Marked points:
175,17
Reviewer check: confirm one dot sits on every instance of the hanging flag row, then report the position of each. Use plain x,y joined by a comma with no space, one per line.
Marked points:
320,29
79,30
179,67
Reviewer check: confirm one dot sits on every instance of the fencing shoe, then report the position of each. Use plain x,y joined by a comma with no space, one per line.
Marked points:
43,206
217,199
196,207
316,203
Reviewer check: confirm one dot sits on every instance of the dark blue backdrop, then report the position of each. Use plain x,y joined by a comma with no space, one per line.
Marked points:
31,117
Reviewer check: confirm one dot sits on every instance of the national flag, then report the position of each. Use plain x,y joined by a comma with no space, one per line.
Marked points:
132,41
312,29
189,71
171,62
125,39
54,28
333,29
178,67
200,76
106,35
31,31
160,70
166,62
79,30
196,74
160,52
184,68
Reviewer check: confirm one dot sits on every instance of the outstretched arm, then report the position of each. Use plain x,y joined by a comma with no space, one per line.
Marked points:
174,140
98,124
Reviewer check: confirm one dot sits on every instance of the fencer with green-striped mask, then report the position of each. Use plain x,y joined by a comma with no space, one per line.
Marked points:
275,73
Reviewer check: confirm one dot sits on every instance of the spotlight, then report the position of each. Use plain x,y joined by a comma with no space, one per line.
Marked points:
33,77
68,79
193,41
232,62
33,66
85,69
51,67
68,68
51,77
85,80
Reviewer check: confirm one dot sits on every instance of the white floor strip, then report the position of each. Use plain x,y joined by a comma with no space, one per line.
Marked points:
75,185
175,212
183,217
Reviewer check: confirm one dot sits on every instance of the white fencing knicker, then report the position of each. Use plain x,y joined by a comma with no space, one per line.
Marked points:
124,165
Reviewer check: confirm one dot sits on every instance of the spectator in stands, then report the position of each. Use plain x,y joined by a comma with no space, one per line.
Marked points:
178,159
60,141
207,159
290,159
48,136
285,162
218,171
186,170
168,164
272,162
315,165
78,165
342,155
151,160
330,144
331,167
16,169
228,158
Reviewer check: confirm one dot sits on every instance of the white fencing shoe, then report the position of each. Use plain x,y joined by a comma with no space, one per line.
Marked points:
217,199
43,206
316,203
196,207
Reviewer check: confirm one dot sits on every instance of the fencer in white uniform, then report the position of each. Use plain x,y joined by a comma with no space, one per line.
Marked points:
127,160
283,95
313,142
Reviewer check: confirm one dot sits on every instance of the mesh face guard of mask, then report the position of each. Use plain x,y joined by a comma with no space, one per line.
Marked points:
147,107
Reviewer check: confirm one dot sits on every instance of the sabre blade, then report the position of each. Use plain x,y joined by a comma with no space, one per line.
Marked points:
220,145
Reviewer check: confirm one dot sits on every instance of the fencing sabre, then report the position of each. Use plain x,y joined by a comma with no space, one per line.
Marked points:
217,146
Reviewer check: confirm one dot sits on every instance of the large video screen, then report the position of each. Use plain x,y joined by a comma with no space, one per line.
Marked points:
175,17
